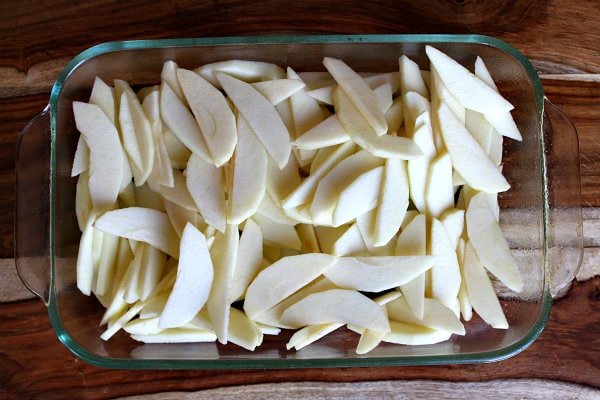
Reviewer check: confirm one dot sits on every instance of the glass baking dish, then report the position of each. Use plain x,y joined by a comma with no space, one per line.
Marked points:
540,214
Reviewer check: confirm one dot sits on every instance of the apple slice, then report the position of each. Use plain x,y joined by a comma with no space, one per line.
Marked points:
393,201
469,90
249,180
414,335
468,158
181,122
204,181
377,274
490,245
435,315
440,94
360,196
136,132
306,111
324,307
503,122
305,191
245,70
162,170
104,96
412,241
445,273
385,146
177,335
418,169
213,114
249,260
261,116
328,132
278,234
278,90
310,334
439,191
350,243
359,93
142,224
243,331
179,192
223,253
482,297
168,74
411,79
193,283
341,176
106,154
281,279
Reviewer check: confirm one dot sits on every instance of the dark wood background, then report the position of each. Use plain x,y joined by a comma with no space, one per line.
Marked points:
562,38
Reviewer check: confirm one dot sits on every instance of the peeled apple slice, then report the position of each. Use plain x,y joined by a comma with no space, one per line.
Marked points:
342,306
469,90
193,282
283,278
106,154
261,116
359,93
490,245
142,224
468,158
376,274
245,70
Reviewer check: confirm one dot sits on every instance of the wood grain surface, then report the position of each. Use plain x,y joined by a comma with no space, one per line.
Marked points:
38,38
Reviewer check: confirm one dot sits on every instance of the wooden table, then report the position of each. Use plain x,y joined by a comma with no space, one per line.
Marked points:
562,39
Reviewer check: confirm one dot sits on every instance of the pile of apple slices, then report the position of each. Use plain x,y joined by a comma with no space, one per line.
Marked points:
239,199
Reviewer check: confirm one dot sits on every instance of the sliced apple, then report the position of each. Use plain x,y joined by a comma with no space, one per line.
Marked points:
243,331
435,315
376,274
281,279
324,307
411,79
261,116
249,260
445,273
412,241
249,180
414,335
439,191
482,297
106,154
181,122
359,93
359,197
310,334
223,253
245,70
490,245
469,90
213,114
305,191
193,283
278,90
385,146
393,201
468,158
143,224
204,181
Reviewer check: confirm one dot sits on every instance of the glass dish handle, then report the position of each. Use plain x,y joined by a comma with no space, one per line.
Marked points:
565,221
32,211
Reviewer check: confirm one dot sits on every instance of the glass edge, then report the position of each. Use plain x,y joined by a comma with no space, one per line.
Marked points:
228,364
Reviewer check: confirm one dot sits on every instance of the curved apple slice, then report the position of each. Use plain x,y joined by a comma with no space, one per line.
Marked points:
481,292
249,181
376,274
213,114
181,122
204,182
359,93
343,306
143,224
489,243
282,278
435,315
245,70
469,90
261,116
106,154
193,282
